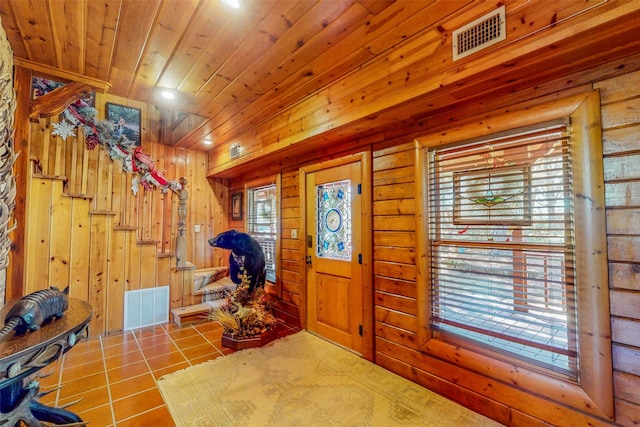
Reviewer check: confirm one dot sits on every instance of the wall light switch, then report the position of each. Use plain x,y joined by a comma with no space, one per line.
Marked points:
197,230
294,233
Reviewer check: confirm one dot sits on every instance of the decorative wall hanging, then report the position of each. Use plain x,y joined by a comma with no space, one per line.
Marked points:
63,129
492,196
236,206
108,134
126,122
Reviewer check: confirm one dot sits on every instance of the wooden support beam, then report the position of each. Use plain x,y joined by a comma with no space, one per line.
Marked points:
22,84
56,101
47,71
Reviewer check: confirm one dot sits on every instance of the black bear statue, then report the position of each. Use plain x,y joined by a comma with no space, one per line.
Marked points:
246,253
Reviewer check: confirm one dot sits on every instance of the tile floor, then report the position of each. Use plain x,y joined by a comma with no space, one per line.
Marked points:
113,378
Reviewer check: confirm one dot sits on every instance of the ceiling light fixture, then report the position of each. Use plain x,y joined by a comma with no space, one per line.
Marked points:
207,141
233,3
167,94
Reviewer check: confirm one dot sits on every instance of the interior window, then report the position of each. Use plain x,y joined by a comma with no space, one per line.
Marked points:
262,223
515,252
502,246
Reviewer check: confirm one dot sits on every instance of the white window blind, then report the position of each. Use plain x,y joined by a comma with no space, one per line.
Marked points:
262,223
502,246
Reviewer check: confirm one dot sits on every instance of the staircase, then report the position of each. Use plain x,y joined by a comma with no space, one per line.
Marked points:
86,229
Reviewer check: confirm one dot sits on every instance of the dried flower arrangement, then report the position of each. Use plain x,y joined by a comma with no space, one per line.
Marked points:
246,314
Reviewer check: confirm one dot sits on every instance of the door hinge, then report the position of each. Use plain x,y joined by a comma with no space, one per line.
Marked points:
360,329
359,258
359,188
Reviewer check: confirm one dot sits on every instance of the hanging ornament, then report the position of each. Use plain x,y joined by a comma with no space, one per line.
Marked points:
63,129
135,185
490,199
464,230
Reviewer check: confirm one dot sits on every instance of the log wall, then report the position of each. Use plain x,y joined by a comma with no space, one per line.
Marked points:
84,224
621,149
291,259
395,241
86,229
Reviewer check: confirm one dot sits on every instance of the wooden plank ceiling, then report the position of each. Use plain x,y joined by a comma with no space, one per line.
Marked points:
244,69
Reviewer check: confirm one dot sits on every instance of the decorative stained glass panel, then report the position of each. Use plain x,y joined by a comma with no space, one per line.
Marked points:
333,220
492,196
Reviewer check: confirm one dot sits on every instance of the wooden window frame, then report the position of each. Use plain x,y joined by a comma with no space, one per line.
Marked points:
593,392
253,221
460,181
277,181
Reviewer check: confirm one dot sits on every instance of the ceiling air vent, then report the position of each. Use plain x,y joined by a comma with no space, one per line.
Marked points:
235,151
479,34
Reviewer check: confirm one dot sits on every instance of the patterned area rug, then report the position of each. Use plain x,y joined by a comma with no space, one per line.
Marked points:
303,380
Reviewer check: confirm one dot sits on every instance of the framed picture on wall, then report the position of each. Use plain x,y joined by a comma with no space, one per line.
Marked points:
236,206
126,121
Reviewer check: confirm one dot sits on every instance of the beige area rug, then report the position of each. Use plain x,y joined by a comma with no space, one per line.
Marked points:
303,380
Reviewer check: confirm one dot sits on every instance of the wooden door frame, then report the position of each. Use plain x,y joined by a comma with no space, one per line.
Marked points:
364,158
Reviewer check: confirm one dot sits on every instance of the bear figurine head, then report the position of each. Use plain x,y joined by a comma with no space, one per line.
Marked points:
226,240
246,254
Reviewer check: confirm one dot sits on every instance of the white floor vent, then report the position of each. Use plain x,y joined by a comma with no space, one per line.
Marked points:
479,34
146,307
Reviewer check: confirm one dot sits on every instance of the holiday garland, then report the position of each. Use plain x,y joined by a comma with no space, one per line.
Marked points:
102,132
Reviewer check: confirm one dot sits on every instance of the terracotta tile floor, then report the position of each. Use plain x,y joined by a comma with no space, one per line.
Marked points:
112,379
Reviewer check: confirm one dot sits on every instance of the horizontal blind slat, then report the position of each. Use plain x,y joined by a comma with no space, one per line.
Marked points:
501,236
261,223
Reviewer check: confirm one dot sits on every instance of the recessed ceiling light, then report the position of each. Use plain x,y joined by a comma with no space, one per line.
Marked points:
233,3
167,94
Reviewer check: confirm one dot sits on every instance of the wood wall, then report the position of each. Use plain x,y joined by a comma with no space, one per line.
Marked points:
291,260
411,79
86,229
94,234
621,149
395,241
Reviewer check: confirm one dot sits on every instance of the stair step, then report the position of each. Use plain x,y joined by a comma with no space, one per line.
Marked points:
190,313
203,277
218,289
210,270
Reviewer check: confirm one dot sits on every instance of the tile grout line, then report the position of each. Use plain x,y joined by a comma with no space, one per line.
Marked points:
144,358
155,380
209,342
56,401
161,333
106,375
177,346
150,371
140,413
59,384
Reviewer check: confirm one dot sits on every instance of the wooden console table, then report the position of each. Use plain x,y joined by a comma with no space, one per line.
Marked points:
23,355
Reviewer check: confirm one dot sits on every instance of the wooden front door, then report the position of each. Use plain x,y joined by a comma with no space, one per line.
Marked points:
333,254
